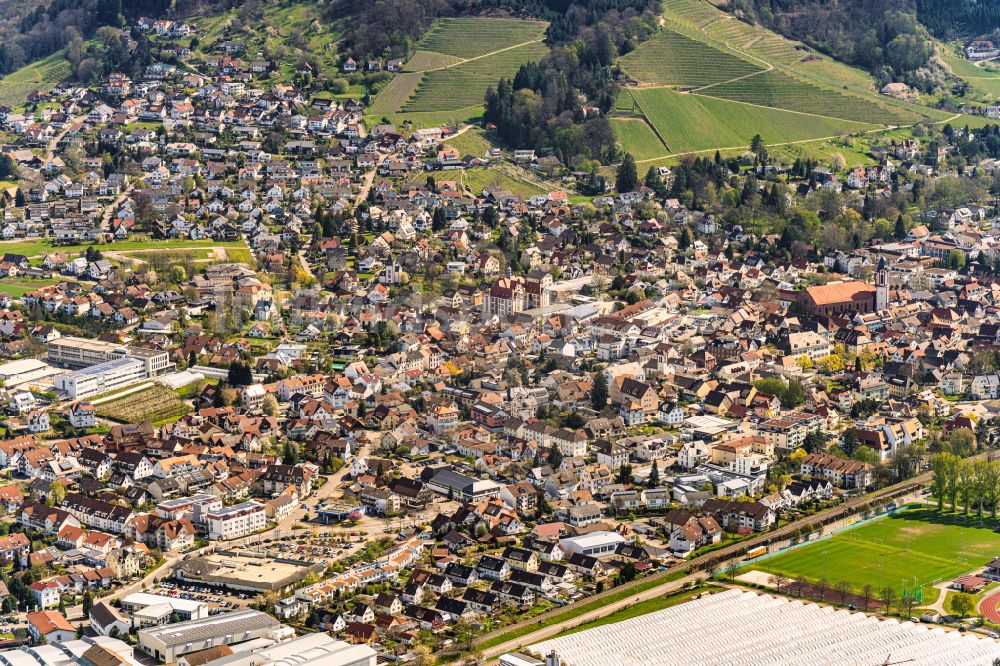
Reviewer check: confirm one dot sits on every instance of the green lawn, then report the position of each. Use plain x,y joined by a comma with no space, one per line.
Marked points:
18,287
477,179
986,84
35,247
920,544
471,37
473,142
641,608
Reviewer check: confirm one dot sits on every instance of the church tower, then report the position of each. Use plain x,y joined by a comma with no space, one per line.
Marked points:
881,285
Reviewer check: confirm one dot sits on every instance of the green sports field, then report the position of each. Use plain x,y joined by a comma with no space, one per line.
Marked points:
921,543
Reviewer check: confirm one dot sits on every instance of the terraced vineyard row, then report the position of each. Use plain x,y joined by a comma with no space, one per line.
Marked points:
760,42
396,93
424,60
471,37
781,91
449,89
42,75
457,62
506,63
636,137
696,122
673,59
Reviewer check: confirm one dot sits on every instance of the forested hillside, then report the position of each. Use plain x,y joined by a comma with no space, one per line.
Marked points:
890,38
34,29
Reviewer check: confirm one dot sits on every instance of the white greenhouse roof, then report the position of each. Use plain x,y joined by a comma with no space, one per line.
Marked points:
736,627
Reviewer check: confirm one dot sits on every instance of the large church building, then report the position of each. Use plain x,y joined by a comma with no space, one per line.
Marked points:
838,298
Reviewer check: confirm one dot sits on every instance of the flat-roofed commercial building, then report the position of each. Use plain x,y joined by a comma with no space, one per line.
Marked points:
236,521
169,642
101,378
74,352
185,609
157,361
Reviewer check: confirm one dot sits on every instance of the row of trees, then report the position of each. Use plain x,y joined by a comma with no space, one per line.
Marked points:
966,482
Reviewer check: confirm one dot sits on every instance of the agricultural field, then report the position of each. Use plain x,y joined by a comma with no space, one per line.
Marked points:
473,37
715,25
427,60
456,62
635,136
781,91
671,59
156,404
41,75
399,89
922,544
690,123
448,89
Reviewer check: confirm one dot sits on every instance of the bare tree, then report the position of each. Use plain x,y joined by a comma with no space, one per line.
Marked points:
844,589
800,584
867,592
824,586
887,596
778,580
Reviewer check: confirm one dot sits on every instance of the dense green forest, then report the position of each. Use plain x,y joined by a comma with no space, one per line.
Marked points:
893,39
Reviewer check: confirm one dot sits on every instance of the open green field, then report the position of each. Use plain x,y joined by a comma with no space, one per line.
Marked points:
40,75
984,82
922,543
635,136
473,142
690,122
465,84
473,37
454,65
477,179
37,247
671,59
778,90
642,608
429,118
702,20
18,287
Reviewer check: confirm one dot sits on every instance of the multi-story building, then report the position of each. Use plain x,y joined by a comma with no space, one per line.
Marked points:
101,378
236,521
73,352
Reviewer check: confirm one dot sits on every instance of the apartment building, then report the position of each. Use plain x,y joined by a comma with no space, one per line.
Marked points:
236,521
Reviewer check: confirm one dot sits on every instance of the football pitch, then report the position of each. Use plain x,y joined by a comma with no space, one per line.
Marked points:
922,546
